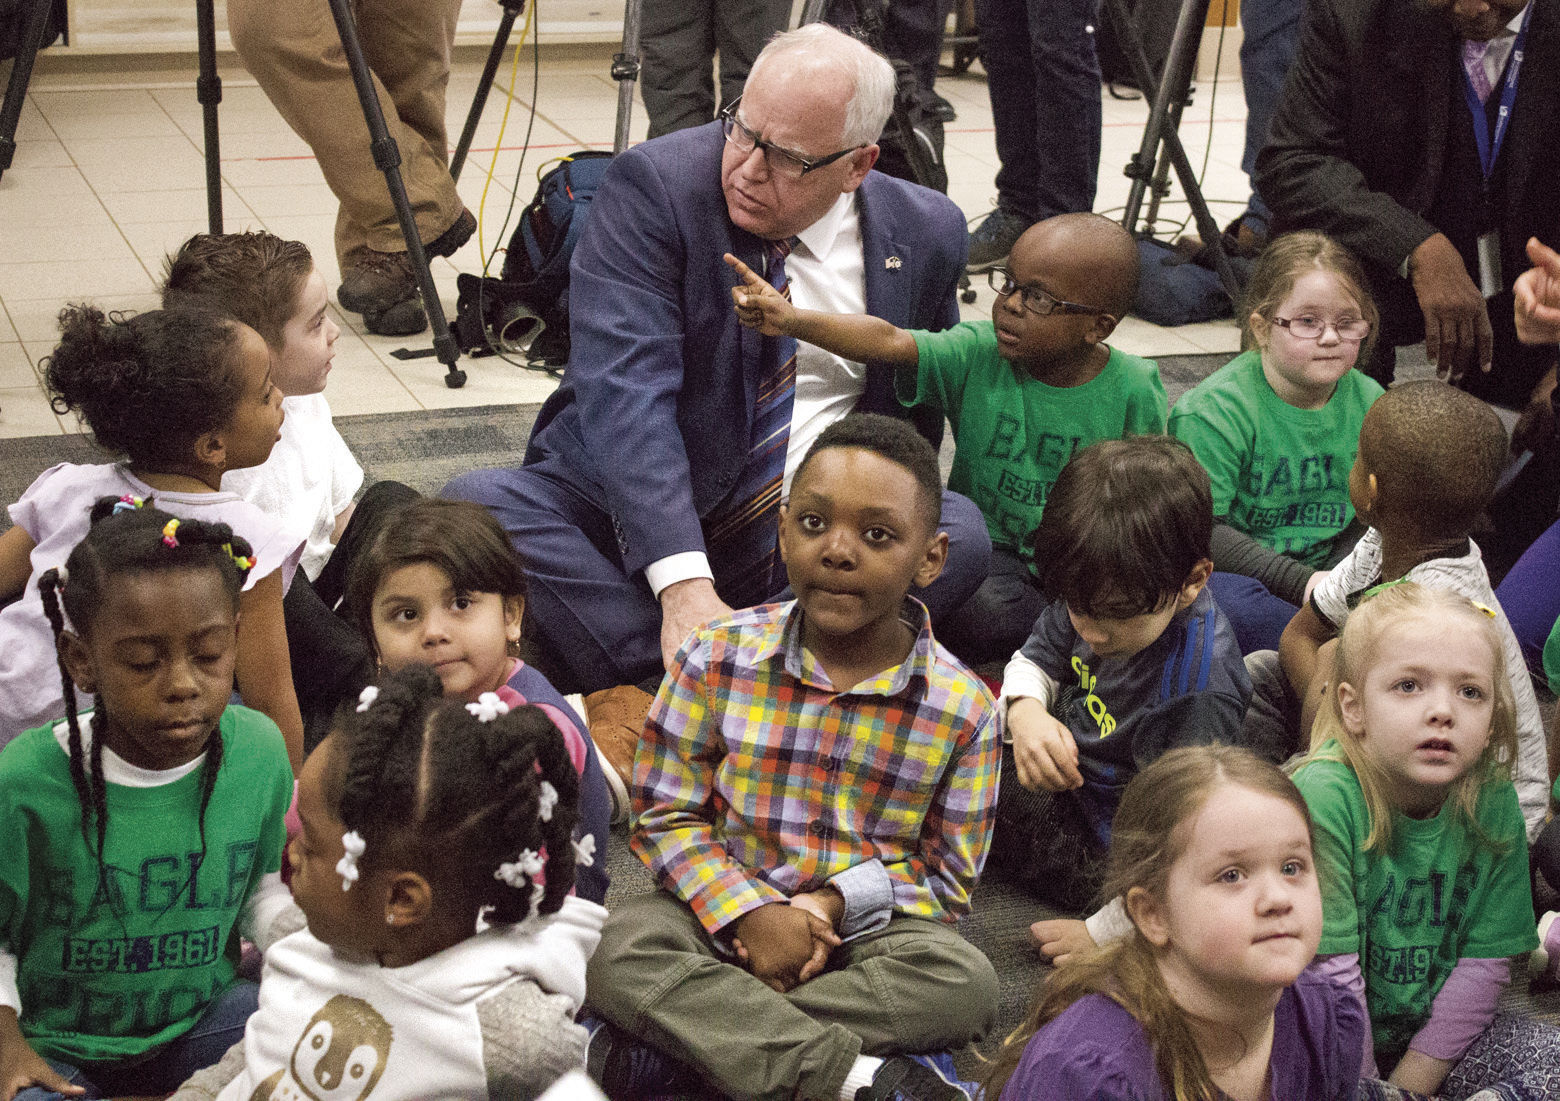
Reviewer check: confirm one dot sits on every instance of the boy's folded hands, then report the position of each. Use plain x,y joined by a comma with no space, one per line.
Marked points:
785,944
759,306
1043,748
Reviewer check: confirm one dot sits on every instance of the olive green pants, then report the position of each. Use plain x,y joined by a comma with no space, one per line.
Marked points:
915,985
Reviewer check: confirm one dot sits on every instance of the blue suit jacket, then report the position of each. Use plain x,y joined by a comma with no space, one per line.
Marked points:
652,420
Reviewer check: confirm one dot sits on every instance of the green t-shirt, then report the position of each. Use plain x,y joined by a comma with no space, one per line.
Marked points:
1439,894
109,972
1280,474
1013,433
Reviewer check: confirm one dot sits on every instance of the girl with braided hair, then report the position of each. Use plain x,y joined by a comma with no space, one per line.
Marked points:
140,839
185,396
445,953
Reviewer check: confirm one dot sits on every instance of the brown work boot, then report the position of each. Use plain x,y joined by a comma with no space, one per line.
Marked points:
383,287
449,242
616,718
374,281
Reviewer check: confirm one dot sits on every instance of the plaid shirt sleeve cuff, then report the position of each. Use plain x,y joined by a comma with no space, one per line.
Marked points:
869,898
719,903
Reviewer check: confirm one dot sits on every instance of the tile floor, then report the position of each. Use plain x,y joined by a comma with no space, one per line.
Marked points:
108,178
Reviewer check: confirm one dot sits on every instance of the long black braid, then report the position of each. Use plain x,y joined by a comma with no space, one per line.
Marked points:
127,536
423,777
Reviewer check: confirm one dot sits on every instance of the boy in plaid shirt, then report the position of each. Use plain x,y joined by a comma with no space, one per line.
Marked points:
814,791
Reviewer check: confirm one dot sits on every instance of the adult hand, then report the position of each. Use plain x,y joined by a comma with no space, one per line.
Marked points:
759,306
1043,749
1535,426
1061,940
1316,578
685,606
776,942
1457,326
21,1066
1537,292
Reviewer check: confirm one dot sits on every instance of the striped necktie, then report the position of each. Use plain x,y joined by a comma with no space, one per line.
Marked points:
741,536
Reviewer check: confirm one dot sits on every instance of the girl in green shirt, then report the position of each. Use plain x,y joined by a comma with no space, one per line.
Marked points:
1277,429
136,839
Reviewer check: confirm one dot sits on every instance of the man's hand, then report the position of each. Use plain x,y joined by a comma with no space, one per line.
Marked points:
1457,326
759,306
1043,749
1535,427
685,606
1537,293
21,1066
777,941
1062,939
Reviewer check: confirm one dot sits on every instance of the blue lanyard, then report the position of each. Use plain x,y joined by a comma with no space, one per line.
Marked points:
1488,150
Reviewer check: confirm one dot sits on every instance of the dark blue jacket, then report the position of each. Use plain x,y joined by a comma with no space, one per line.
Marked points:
652,420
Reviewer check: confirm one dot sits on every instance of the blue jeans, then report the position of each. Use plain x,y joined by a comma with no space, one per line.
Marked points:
164,1069
1270,34
1044,79
1257,616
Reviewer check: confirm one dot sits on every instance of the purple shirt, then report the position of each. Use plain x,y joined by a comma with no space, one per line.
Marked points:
1096,1049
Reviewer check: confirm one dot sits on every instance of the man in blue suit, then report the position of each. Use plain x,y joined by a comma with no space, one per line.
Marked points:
649,440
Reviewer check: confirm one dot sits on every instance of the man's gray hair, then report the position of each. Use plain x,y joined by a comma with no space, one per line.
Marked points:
873,77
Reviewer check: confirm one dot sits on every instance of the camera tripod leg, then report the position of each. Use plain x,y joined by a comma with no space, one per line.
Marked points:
387,158
1161,128
506,23
27,48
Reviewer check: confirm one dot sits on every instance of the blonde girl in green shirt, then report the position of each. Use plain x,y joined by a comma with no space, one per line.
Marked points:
1421,847
1277,429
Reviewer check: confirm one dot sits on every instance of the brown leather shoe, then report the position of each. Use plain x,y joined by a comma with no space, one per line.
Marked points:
616,717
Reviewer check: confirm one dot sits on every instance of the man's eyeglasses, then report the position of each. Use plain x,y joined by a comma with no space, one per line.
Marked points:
1033,299
782,162
1352,329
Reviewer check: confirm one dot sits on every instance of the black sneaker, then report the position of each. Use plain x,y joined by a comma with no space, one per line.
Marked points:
942,110
993,239
626,1068
911,1078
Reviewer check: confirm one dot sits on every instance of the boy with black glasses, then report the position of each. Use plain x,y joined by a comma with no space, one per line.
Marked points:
1022,391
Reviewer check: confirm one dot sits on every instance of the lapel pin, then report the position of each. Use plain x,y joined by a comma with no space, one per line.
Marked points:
893,263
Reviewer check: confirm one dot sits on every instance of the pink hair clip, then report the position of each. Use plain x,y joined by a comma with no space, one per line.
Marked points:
128,502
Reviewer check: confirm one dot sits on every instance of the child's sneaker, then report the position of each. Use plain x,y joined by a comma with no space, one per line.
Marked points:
1544,963
916,1078
628,1069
